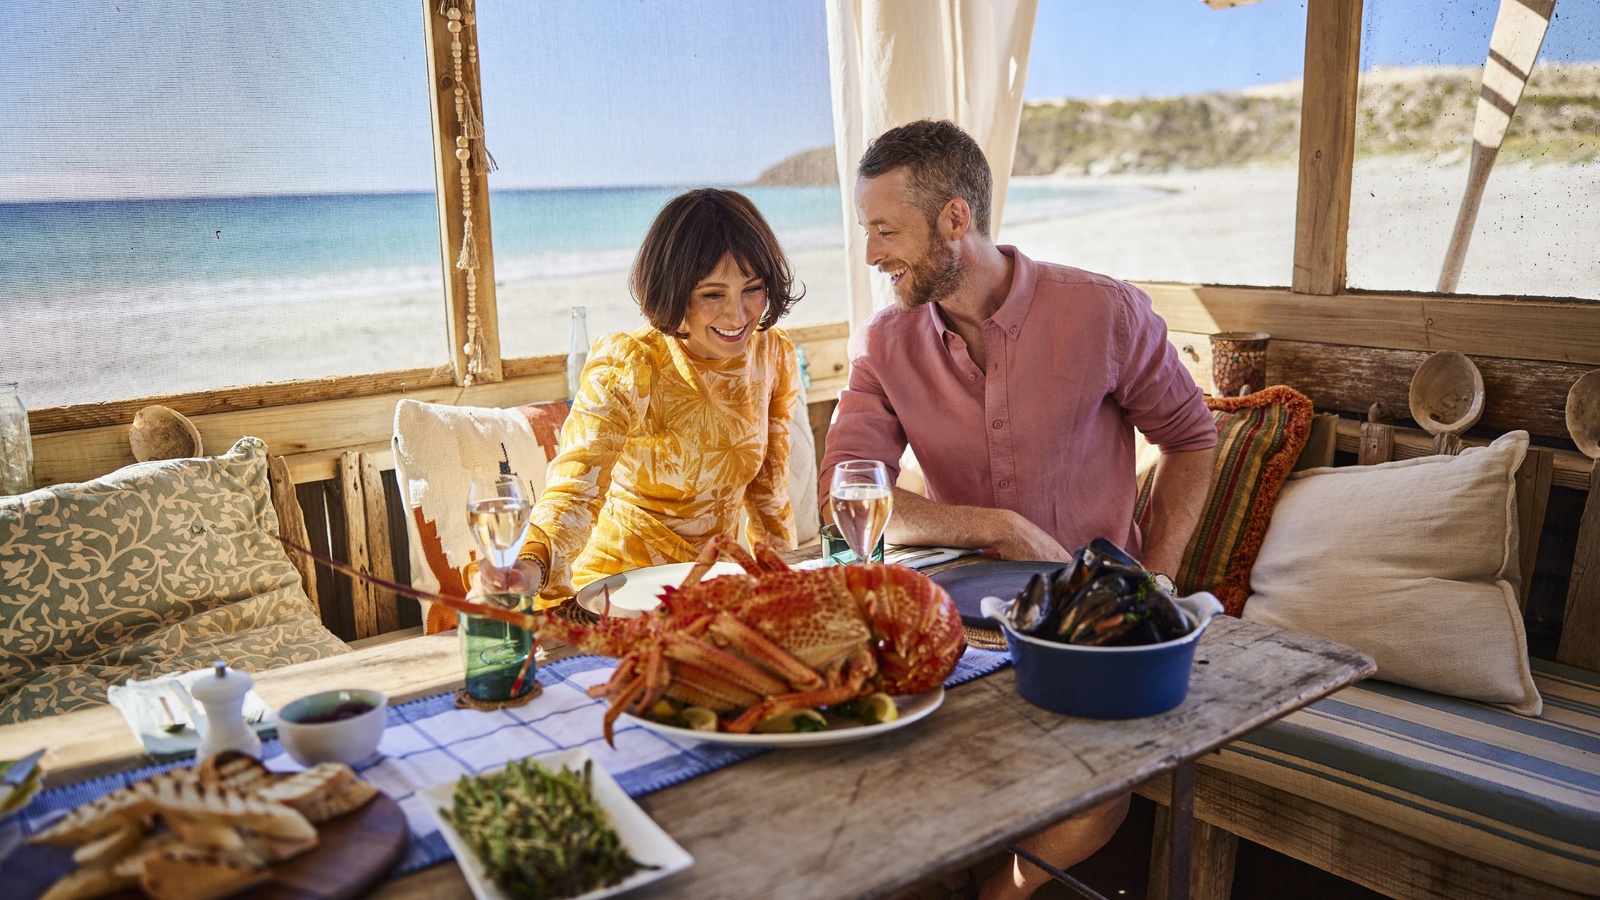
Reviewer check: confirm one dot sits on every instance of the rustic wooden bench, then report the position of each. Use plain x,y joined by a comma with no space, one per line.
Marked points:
1330,817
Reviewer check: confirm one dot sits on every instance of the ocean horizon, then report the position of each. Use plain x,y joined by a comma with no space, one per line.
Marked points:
158,296
196,253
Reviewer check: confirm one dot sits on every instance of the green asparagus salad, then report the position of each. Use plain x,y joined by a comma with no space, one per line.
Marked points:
540,833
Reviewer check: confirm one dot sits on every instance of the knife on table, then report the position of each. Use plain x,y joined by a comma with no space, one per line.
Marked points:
17,775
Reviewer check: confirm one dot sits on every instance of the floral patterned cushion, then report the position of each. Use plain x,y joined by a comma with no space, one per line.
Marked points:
155,568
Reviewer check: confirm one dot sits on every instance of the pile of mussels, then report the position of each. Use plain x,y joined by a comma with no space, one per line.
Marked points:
1103,598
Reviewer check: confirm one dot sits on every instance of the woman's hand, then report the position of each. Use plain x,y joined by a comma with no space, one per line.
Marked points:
526,577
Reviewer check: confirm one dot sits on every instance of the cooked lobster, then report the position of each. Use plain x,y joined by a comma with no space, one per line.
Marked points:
775,639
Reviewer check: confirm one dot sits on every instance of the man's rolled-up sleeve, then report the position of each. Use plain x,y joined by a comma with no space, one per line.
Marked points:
1156,392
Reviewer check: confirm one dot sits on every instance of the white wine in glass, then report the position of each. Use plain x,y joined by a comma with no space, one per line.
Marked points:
498,655
498,512
863,500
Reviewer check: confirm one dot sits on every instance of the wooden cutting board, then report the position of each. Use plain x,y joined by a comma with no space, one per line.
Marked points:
353,852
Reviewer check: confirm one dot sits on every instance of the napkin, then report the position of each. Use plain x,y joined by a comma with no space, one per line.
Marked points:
140,705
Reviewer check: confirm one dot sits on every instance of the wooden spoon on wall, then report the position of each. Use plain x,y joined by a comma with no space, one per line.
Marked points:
1447,398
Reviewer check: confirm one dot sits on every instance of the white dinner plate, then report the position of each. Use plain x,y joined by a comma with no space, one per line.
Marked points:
912,708
639,833
639,591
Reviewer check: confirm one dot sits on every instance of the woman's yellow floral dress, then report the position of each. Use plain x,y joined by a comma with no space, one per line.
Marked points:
661,452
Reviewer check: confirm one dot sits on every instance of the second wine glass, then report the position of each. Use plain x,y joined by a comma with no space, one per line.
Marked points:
863,500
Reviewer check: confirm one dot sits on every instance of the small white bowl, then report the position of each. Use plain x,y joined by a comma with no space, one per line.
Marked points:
348,740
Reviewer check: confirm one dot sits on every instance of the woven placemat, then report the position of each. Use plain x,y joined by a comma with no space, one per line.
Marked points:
467,701
983,638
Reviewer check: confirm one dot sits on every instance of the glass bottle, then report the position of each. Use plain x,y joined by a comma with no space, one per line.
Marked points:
578,352
16,444
805,367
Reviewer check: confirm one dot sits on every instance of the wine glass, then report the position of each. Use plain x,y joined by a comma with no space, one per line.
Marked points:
863,499
498,655
498,512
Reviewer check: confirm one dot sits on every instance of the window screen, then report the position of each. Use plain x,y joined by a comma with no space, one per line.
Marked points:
600,112
1159,141
195,195
1421,67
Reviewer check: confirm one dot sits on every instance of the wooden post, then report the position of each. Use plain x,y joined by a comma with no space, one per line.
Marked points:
1580,626
1377,444
1327,145
1321,444
447,177
1533,496
1215,852
385,612
292,523
353,504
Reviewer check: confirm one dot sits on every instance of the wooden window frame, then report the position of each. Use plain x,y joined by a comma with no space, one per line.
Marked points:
1559,330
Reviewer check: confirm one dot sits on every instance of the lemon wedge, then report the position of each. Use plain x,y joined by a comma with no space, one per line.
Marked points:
879,708
663,709
789,722
700,719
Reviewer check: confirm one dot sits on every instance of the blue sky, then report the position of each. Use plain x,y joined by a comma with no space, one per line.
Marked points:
156,97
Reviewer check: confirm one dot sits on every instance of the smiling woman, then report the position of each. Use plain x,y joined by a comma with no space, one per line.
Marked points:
679,429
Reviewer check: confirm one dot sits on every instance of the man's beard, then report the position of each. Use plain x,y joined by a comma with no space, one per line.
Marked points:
934,277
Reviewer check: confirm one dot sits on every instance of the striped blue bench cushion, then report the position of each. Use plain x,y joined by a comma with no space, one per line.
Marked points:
1519,793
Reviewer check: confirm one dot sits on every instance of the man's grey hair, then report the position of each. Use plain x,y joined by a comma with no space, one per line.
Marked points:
944,162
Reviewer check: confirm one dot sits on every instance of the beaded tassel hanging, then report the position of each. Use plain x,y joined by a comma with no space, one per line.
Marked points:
469,149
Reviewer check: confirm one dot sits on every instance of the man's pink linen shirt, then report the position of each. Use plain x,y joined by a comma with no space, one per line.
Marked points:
1076,361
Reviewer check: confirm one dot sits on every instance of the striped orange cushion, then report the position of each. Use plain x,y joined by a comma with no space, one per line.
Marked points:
1259,437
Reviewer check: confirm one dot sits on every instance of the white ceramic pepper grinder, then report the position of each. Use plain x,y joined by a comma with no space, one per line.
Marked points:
222,695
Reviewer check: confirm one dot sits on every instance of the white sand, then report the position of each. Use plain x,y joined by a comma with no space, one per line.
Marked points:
1538,234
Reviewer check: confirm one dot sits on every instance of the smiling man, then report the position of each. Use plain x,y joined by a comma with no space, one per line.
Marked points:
1018,385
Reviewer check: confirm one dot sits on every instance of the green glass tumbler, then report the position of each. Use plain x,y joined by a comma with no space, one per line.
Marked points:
836,550
498,656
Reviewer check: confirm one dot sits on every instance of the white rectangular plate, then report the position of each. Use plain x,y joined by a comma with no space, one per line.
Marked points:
640,834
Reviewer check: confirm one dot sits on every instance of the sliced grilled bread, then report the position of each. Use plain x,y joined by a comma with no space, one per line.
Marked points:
183,873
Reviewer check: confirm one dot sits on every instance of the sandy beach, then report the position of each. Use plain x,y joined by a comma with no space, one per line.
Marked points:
1535,237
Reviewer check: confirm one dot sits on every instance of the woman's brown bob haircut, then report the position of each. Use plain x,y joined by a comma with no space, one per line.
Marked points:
687,241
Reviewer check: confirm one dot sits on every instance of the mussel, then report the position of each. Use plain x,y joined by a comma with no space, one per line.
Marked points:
1103,598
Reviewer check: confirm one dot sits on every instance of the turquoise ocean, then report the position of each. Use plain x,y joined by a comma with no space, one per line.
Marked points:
168,295
199,252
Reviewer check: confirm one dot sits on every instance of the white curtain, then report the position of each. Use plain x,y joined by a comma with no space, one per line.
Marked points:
896,61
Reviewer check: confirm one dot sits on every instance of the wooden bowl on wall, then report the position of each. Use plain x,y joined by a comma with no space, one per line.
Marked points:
1446,395
161,433
1583,414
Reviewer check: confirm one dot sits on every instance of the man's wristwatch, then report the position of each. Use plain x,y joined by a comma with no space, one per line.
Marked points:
1163,582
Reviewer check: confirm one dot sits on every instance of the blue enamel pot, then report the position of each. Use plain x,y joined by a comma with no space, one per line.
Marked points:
1106,682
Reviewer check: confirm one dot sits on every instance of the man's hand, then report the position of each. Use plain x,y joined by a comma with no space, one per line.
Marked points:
521,578
1021,539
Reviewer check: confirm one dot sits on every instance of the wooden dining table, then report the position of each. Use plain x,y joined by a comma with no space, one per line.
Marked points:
863,819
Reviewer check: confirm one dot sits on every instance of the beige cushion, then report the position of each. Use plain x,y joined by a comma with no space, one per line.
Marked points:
803,471
158,567
1412,562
